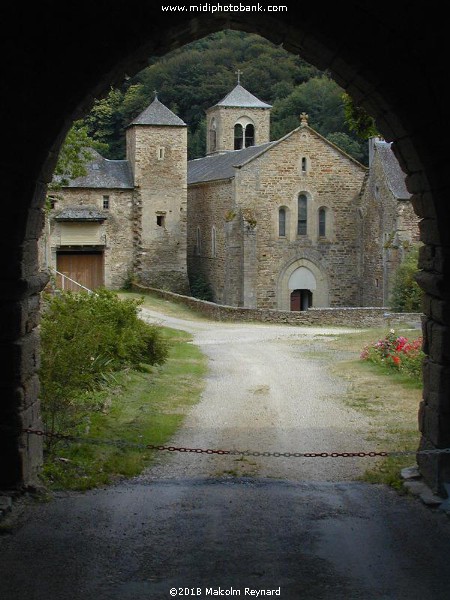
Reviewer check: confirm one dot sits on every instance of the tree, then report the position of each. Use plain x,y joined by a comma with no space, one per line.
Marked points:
358,120
406,293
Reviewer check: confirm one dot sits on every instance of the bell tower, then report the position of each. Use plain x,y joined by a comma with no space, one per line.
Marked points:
238,121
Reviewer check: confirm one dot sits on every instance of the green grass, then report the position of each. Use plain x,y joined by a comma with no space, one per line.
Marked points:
167,307
147,408
391,401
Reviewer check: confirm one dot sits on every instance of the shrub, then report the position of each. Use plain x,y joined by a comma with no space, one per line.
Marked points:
397,353
200,287
85,339
406,294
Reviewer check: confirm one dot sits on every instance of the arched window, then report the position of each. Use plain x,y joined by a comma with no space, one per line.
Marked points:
282,222
198,246
304,165
213,135
249,135
322,222
213,242
238,136
302,223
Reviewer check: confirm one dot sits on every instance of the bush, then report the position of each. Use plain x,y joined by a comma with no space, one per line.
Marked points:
397,353
85,339
200,287
406,293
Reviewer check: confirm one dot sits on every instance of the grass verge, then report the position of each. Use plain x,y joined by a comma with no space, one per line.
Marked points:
391,401
145,407
166,307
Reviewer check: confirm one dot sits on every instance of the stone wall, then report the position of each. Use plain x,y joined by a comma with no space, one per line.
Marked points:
332,181
115,234
227,117
160,172
358,317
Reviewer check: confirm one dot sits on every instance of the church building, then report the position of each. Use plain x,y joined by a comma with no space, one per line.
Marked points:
287,224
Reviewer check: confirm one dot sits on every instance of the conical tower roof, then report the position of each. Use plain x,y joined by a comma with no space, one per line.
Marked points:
158,114
239,97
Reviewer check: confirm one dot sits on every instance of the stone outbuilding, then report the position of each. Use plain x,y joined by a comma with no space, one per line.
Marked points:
126,218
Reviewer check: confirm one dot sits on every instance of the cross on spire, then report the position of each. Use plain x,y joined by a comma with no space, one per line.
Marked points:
239,73
156,94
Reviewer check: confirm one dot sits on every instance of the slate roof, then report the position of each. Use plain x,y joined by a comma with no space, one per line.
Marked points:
395,177
104,173
221,166
158,114
239,97
80,213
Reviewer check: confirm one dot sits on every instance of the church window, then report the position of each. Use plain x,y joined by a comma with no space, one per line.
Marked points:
105,202
238,136
161,220
304,165
213,136
302,214
161,153
198,246
213,242
282,222
322,222
249,135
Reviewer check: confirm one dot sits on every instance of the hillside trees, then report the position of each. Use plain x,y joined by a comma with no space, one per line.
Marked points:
193,78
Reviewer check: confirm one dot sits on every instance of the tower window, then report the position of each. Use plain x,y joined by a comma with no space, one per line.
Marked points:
213,136
238,136
213,242
249,135
282,222
322,222
161,220
161,153
105,202
302,215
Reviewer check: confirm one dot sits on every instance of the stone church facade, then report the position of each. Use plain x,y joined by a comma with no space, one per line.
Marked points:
285,224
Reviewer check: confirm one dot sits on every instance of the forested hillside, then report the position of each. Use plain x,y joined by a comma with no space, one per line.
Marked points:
197,76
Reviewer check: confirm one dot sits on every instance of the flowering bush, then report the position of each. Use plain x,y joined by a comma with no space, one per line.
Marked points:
397,353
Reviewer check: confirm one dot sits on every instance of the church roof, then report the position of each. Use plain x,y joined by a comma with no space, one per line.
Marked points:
158,114
241,98
395,177
221,166
104,173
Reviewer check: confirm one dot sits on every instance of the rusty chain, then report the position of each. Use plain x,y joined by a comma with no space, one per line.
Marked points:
122,443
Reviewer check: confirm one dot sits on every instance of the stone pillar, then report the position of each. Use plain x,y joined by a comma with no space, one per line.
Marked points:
434,412
20,286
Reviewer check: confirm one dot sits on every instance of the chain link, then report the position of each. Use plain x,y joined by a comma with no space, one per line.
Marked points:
162,448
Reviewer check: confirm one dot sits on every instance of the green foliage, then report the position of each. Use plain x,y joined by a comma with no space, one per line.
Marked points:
75,153
357,119
86,338
406,294
200,287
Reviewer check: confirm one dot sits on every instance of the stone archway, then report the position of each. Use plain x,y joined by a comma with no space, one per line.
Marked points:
302,274
53,69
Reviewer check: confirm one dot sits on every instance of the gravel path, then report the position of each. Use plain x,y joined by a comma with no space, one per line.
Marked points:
265,391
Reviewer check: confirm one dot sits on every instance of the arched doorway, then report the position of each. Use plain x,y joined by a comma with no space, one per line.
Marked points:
377,75
301,300
302,283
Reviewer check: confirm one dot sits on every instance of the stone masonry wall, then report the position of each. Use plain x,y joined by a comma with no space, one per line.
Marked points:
161,206
116,231
349,317
226,118
211,206
331,180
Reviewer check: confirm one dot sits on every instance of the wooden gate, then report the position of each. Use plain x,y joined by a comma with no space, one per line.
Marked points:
86,268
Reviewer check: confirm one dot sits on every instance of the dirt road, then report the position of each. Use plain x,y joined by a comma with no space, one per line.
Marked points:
266,391
294,529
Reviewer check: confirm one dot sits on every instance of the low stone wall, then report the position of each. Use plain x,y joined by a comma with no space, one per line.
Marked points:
349,317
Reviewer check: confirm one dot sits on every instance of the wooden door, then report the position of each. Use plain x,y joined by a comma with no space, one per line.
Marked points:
85,268
296,298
